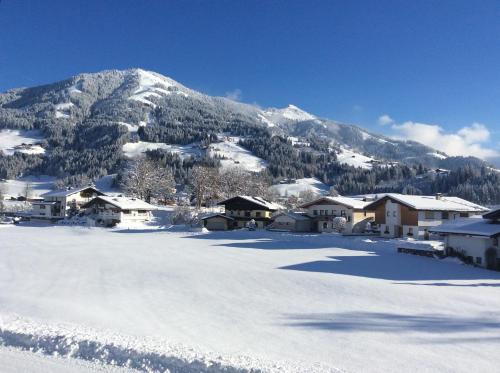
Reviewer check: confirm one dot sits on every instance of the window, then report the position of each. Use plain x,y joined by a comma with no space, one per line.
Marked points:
394,213
325,225
464,215
349,218
342,213
321,212
257,214
364,212
429,214
386,231
479,260
410,231
445,215
42,207
247,214
388,213
315,212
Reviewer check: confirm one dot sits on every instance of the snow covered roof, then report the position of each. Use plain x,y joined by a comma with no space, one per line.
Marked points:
125,203
349,202
69,192
474,227
257,200
442,203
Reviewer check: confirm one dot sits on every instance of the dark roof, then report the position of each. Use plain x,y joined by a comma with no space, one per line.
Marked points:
244,201
494,215
68,192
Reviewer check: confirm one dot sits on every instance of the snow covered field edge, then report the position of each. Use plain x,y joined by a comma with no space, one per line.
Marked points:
139,354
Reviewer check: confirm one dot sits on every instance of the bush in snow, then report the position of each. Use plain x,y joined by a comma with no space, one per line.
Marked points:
339,223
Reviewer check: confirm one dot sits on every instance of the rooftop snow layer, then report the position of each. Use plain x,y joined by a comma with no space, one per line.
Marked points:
475,227
126,203
444,203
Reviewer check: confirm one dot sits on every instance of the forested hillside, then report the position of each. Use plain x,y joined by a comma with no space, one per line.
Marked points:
85,121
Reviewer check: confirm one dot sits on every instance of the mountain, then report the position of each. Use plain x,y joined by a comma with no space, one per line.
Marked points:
79,126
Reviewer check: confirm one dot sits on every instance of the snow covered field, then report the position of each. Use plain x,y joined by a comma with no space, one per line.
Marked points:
236,156
239,300
11,141
354,159
301,185
39,185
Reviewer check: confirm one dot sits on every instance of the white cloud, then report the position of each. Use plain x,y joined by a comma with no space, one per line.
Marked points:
468,141
384,120
234,95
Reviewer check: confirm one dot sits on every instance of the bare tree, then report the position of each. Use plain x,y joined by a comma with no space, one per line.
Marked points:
205,185
2,194
307,196
146,179
27,191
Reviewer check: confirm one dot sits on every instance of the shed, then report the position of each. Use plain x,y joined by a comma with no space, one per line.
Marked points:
219,222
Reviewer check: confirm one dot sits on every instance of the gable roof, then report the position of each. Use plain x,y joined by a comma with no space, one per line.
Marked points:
255,200
430,203
217,215
471,226
494,214
123,203
349,202
293,215
68,192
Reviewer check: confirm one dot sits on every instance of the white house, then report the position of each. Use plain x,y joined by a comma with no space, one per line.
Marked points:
60,204
475,239
109,211
400,215
324,210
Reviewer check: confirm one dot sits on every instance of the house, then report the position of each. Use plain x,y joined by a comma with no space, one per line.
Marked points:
109,211
477,240
246,208
400,215
219,222
292,221
60,204
324,210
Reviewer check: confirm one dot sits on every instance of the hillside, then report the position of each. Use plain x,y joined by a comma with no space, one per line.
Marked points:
89,125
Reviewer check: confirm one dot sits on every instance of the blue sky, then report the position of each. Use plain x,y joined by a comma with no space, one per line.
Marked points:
425,62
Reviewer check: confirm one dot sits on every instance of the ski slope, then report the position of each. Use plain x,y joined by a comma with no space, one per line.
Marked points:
234,155
301,185
240,300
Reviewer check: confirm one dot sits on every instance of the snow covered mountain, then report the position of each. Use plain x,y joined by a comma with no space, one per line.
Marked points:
94,115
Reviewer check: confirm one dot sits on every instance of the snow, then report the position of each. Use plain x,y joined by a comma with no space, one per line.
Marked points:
156,85
354,203
300,185
235,155
431,203
134,149
437,155
351,158
275,301
289,114
12,141
39,184
63,110
476,227
126,203
16,361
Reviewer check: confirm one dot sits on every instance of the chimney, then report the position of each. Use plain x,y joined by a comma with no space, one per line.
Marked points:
439,195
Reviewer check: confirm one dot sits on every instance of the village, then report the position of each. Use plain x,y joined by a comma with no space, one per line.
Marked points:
465,230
